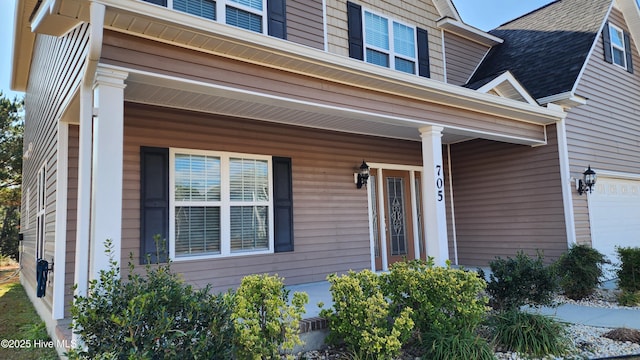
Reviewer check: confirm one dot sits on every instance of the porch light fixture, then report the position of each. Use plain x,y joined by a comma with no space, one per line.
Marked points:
586,183
363,175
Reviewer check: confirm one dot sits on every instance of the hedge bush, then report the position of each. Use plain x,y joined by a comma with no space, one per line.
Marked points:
265,324
443,299
363,319
580,270
156,316
519,281
629,271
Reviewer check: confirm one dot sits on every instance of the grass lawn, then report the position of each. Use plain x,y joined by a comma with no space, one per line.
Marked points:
20,324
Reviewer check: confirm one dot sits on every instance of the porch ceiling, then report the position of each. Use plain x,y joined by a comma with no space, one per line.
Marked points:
165,91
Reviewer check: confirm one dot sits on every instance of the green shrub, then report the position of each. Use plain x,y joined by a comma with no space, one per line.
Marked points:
265,324
464,345
443,299
532,334
520,281
580,270
150,317
629,298
363,319
629,271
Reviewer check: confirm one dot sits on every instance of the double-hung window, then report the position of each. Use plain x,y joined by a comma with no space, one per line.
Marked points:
389,43
221,204
617,47
246,14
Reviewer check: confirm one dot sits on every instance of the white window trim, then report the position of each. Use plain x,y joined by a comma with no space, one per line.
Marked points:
41,210
613,28
225,205
391,52
221,12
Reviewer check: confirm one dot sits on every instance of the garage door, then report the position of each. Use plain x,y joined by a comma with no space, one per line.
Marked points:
614,211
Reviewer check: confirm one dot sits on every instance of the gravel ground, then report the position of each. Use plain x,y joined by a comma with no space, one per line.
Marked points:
587,341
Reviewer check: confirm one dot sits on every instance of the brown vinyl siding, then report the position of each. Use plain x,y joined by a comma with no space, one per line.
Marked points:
305,23
507,198
56,72
422,14
462,57
128,51
331,228
72,206
604,133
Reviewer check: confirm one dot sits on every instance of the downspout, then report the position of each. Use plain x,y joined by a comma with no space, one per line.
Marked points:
97,12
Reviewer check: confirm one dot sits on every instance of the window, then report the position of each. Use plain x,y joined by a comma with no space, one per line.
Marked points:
389,43
41,212
221,204
204,8
246,14
382,41
617,46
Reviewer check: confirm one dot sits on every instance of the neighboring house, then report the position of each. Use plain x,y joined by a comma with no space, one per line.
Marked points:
234,129
583,55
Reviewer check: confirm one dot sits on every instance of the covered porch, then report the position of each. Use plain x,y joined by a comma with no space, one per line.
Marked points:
370,112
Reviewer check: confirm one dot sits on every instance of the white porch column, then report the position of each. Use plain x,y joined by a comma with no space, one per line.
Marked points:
433,200
83,221
106,179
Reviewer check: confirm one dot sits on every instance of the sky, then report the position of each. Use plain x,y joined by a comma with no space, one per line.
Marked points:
483,14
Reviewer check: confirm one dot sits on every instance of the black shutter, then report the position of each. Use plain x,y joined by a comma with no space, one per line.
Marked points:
423,52
154,203
354,20
158,2
283,204
628,52
608,56
277,18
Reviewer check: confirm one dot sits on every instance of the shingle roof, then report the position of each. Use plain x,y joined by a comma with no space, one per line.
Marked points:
546,48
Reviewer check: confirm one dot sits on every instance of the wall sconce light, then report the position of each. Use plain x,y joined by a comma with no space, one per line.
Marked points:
362,175
586,183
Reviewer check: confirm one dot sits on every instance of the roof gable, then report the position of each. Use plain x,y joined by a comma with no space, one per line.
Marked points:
546,49
507,86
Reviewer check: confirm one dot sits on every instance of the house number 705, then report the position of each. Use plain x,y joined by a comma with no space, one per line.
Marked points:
439,183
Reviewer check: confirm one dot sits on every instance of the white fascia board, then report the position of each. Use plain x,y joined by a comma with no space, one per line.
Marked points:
469,32
328,66
23,42
567,100
593,46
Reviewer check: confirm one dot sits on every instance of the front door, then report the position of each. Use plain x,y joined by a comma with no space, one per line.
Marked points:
395,223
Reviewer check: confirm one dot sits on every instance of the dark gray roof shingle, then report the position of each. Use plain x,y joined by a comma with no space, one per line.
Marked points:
546,48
